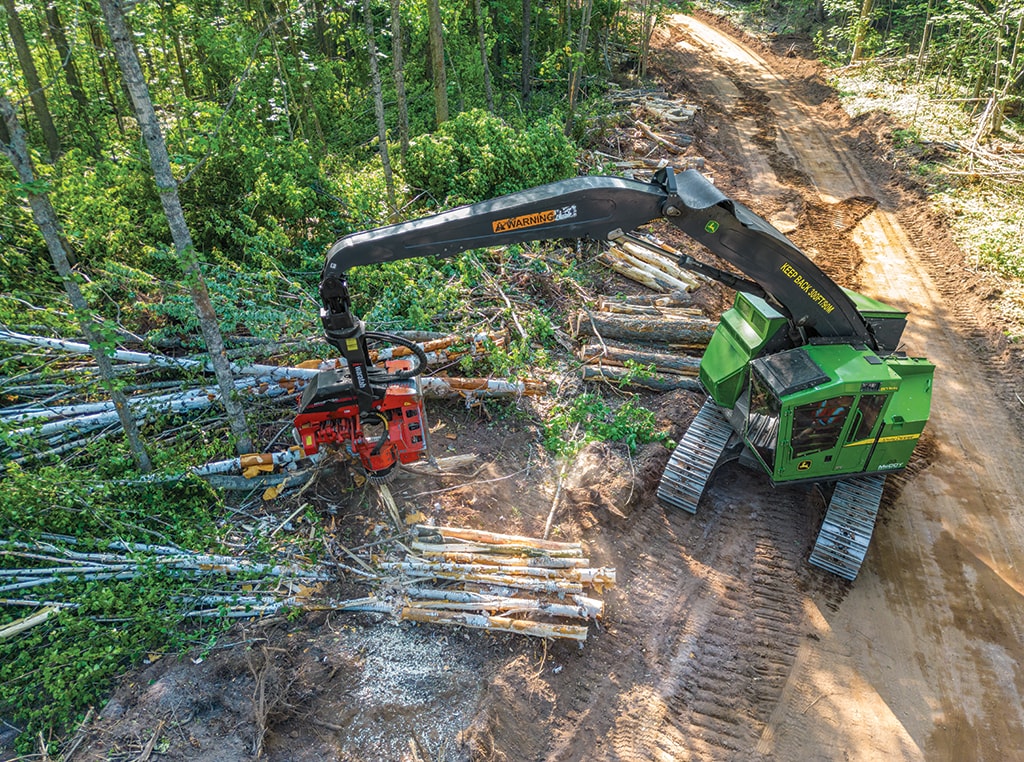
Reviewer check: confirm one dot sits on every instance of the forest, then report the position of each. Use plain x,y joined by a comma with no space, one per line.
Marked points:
173,174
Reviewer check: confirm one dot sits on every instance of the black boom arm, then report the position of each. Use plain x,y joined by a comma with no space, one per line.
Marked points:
600,208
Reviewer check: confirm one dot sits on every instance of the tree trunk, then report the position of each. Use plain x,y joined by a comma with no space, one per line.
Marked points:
437,62
378,106
527,63
482,38
98,46
648,15
179,59
35,87
1011,77
320,30
167,187
861,29
67,61
577,67
46,218
398,71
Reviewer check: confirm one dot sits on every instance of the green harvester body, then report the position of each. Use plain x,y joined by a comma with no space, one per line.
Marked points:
816,411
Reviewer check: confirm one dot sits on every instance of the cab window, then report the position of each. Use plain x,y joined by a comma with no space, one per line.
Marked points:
817,425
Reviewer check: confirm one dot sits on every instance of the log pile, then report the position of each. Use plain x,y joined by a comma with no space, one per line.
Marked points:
654,266
658,123
51,415
496,582
659,332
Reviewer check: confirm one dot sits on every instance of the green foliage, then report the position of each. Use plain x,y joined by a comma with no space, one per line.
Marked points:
54,500
50,673
475,156
418,294
589,418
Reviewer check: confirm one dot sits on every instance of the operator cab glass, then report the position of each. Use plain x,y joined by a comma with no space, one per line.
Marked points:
763,423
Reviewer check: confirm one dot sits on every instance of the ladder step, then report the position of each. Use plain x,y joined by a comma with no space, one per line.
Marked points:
695,457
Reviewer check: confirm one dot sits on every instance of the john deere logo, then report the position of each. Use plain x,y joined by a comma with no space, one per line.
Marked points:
711,227
803,465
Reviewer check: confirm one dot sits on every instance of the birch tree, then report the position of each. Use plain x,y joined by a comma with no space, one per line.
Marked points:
167,187
378,105
15,147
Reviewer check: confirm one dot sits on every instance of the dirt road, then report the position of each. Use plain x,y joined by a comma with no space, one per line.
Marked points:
721,643
921,659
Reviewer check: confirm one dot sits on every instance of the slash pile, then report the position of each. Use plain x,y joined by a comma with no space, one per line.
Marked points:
496,582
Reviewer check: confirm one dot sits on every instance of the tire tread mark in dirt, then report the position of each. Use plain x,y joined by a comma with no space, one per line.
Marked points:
719,646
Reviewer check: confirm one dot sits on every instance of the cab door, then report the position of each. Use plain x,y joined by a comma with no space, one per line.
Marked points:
862,434
819,429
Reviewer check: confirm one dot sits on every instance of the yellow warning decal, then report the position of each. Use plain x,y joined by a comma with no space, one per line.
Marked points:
523,221
900,438
894,438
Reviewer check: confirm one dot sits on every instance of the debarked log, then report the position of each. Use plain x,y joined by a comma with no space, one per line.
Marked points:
495,623
675,330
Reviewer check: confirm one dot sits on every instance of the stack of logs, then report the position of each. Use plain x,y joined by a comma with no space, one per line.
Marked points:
659,272
648,107
496,582
660,330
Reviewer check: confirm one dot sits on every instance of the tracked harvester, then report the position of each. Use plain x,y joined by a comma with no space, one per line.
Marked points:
804,378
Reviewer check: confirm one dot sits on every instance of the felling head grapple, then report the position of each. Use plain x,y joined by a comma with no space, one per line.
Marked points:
393,428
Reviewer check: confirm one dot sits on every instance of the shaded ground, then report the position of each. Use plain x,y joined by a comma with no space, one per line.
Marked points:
720,643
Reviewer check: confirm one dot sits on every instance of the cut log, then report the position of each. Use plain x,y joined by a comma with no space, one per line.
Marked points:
658,382
634,273
495,623
588,576
440,549
673,299
683,365
661,271
668,262
664,142
445,387
688,331
547,562
606,304
493,538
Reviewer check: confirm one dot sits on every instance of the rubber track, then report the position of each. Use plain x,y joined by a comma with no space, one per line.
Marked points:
848,524
694,459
